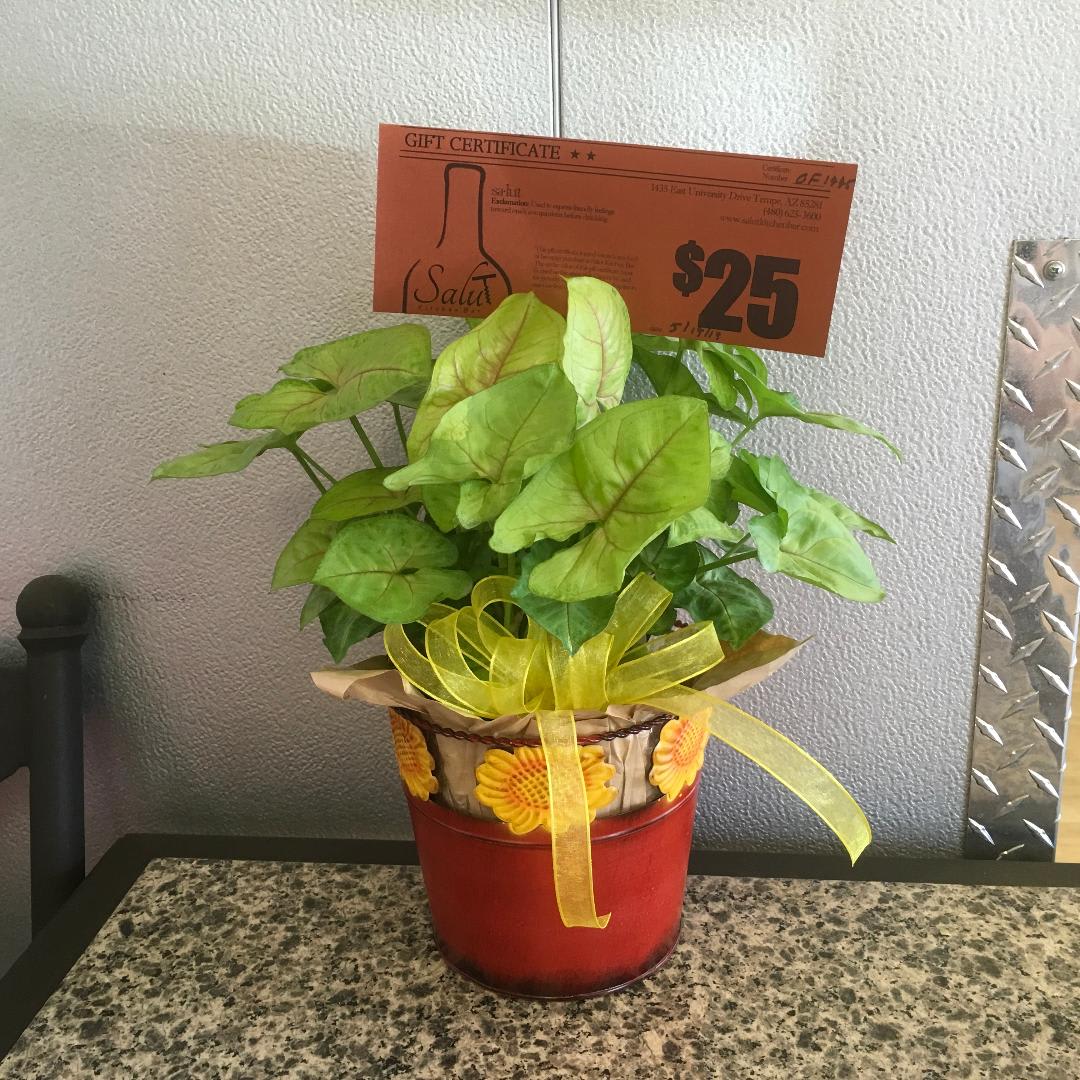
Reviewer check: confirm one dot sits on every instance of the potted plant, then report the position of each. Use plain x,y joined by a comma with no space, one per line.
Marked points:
553,576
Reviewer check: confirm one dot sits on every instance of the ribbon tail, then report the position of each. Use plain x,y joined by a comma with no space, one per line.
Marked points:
571,845
801,774
796,770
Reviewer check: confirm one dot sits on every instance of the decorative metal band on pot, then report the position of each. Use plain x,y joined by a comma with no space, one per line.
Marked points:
1027,641
672,752
456,755
509,743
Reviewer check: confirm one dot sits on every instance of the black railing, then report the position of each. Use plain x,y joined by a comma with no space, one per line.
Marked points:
43,729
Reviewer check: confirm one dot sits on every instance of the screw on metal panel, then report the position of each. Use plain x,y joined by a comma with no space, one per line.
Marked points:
1053,270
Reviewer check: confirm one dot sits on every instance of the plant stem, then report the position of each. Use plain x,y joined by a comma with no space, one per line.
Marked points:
742,556
316,466
731,554
728,560
738,544
307,468
368,445
508,608
746,430
400,426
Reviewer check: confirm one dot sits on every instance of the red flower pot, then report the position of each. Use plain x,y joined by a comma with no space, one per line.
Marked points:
493,904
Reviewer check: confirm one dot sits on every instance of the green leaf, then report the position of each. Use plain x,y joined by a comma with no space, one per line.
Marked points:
475,558
300,558
726,387
631,472
391,568
318,600
597,348
733,604
216,459
746,361
775,478
778,489
521,333
441,501
816,547
667,375
661,360
665,621
719,455
481,501
702,524
799,533
343,628
292,405
657,357
488,439
723,385
370,366
336,380
771,403
361,494
714,520
572,623
849,517
746,488
671,566
750,367
410,396
496,433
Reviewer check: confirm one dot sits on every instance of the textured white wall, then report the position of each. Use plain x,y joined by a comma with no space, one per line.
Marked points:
186,196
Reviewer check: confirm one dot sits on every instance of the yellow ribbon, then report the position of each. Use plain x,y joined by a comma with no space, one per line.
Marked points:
568,807
475,665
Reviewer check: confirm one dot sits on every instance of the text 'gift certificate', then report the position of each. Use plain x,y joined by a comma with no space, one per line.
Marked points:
722,247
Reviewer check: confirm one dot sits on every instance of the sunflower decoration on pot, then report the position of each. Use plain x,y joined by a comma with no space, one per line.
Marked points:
415,763
556,573
515,787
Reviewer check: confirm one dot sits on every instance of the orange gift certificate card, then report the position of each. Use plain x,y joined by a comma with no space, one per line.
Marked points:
721,247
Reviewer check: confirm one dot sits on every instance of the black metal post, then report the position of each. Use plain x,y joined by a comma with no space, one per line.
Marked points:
52,612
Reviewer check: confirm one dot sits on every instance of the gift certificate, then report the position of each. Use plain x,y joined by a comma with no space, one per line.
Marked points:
716,246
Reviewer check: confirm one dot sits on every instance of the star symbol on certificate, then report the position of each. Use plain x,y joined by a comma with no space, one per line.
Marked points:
574,154
590,155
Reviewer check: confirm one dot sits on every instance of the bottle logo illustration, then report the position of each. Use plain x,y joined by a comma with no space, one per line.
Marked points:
457,276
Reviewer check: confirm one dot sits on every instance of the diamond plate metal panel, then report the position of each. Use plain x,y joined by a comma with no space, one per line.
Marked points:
1027,641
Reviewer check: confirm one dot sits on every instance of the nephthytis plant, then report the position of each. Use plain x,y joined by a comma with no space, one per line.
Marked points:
523,459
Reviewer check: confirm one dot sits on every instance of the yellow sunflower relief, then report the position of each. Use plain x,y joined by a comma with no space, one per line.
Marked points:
413,760
515,787
679,755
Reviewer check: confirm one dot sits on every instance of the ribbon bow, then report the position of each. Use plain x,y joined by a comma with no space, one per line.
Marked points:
475,665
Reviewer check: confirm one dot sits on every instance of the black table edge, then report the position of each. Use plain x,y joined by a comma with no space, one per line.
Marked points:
38,972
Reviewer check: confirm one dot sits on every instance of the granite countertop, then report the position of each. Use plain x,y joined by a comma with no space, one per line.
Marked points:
262,969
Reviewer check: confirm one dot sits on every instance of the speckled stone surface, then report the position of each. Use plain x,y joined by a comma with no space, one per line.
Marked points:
248,969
